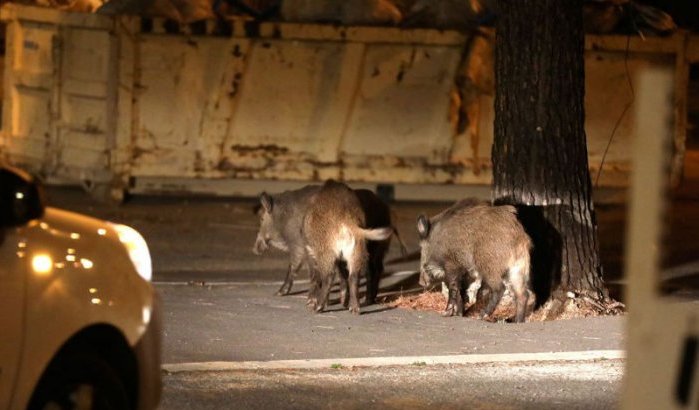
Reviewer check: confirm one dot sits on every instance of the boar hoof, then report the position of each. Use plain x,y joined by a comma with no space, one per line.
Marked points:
354,310
311,305
485,317
449,311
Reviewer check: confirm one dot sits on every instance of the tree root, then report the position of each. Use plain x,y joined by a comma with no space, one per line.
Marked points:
575,305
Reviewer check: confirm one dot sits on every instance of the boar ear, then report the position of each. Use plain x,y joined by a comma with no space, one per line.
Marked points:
423,226
266,202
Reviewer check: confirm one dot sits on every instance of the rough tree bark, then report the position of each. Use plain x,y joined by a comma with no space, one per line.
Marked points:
539,153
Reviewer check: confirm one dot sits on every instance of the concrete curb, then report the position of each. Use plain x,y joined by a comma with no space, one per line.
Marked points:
256,283
590,355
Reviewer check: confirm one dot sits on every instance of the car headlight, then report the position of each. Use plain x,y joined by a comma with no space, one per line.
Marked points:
137,248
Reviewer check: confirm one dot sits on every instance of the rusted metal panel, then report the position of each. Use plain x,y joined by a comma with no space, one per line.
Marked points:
399,127
57,80
84,130
187,94
303,110
692,52
55,17
294,100
402,103
28,112
640,44
611,81
471,99
125,94
385,35
105,101
614,62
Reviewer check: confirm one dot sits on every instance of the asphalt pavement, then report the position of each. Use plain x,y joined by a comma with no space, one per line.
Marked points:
247,322
230,342
220,302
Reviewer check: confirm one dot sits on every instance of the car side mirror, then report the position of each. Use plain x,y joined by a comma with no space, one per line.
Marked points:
21,197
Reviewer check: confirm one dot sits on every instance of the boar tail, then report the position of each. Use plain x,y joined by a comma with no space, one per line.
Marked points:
377,234
403,248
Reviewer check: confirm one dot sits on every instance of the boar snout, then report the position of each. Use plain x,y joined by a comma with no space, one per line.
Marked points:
260,246
424,280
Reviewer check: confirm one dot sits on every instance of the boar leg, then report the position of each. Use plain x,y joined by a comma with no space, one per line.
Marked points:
343,286
285,289
322,274
353,291
445,291
356,265
315,278
473,289
296,258
521,294
521,298
324,290
372,279
455,303
496,293
461,282
376,250
288,282
476,280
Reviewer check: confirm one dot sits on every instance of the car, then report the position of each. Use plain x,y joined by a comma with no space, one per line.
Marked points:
79,318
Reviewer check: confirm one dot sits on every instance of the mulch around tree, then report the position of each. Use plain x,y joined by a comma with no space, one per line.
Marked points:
574,306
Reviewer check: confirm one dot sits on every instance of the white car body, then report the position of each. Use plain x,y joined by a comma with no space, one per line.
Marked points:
67,278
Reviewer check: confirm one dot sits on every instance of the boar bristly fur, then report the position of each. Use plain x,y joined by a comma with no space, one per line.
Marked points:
472,242
281,218
335,240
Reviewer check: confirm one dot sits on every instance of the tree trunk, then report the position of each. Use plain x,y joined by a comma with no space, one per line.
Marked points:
539,153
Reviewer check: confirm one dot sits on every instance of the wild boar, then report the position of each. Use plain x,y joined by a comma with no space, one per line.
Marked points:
281,218
470,243
335,241
377,214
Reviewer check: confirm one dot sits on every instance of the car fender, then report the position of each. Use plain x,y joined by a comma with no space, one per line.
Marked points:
79,274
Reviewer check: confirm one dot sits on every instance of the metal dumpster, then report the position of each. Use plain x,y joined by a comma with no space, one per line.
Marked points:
124,104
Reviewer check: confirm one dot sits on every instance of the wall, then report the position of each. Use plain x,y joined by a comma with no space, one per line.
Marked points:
115,101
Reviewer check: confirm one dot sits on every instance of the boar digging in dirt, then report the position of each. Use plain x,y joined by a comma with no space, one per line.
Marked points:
469,244
335,239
